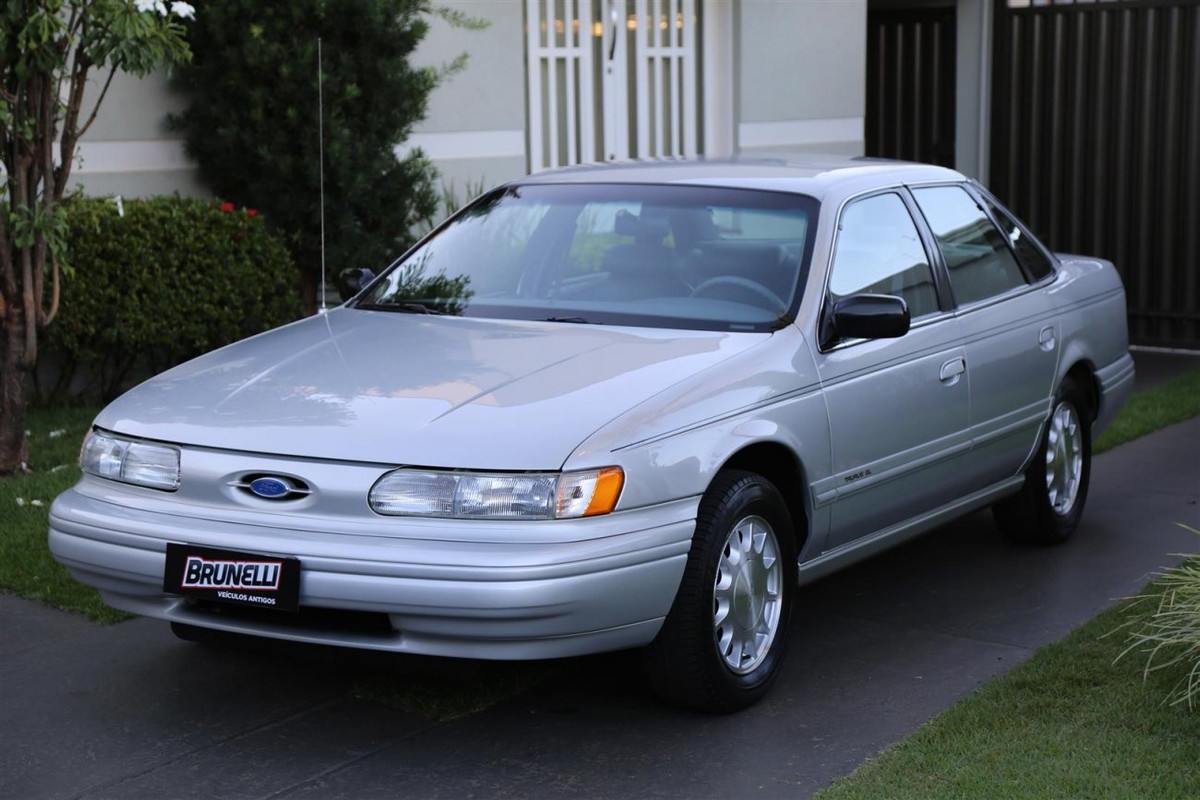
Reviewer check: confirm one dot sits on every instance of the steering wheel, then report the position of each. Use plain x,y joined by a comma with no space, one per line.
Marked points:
773,301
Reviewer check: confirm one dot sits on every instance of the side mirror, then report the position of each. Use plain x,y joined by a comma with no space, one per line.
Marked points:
866,316
351,281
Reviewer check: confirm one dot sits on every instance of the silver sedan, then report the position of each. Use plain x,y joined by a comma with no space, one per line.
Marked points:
615,407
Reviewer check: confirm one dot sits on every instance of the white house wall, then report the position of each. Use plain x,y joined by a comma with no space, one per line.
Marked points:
802,84
781,75
474,130
128,150
475,127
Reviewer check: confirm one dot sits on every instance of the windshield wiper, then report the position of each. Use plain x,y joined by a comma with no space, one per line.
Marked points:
575,320
404,307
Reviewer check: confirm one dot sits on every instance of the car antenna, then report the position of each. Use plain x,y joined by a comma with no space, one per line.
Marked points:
321,170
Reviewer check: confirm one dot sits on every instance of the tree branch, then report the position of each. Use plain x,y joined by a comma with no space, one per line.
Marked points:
70,135
55,291
75,19
29,357
51,193
8,276
107,81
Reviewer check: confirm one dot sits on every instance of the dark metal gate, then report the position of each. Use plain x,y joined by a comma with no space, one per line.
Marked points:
910,84
1095,142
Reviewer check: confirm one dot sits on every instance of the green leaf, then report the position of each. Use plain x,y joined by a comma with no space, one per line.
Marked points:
170,280
252,125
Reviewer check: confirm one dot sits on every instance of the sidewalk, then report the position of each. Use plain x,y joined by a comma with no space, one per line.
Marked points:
129,712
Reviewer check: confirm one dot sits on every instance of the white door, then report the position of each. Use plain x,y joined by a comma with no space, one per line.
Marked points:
611,80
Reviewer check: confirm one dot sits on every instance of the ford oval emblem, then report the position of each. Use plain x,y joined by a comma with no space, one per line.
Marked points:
270,488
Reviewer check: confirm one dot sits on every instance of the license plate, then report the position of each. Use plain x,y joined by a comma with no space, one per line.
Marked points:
232,576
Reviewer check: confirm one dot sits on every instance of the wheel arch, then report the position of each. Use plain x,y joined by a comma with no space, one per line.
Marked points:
780,465
1083,372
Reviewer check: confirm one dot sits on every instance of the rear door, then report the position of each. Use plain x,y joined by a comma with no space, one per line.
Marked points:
898,408
1009,328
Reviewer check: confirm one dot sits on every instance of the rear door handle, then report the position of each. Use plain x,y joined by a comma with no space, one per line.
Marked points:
952,369
1046,338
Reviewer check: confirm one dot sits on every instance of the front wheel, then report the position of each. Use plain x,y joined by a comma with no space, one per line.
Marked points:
1050,504
724,639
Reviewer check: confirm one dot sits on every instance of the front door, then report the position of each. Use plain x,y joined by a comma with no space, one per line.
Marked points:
898,408
611,80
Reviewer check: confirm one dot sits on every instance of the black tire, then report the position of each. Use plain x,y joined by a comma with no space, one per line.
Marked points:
1046,511
690,662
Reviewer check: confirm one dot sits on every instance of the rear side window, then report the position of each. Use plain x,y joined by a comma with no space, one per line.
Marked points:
979,261
1035,262
879,252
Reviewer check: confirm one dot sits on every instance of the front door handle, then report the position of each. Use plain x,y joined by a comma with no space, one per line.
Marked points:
952,369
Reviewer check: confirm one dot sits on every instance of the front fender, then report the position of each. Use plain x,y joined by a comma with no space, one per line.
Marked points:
673,445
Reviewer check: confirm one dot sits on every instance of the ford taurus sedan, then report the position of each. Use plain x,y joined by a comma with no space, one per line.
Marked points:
615,407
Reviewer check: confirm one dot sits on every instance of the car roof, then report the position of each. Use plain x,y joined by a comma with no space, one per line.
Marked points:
814,175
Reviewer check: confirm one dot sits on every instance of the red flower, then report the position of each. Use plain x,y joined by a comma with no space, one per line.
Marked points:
250,212
226,208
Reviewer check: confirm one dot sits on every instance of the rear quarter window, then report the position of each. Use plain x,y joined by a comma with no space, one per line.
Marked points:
1033,259
978,260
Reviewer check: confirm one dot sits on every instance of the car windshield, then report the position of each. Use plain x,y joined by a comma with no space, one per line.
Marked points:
618,254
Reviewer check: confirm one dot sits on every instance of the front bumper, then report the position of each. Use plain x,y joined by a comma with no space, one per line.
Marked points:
475,589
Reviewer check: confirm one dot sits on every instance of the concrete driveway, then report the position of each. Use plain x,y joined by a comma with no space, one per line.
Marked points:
129,711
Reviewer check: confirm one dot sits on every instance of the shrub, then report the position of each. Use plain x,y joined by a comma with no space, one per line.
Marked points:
169,280
1165,628
252,123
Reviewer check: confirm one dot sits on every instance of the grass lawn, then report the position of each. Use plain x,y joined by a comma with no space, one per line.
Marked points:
1068,723
1174,401
26,568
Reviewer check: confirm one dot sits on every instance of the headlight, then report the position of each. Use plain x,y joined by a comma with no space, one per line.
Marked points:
140,463
478,495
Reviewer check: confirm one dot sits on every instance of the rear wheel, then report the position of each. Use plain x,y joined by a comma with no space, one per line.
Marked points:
1050,504
724,639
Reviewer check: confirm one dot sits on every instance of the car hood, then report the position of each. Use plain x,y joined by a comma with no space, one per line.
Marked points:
414,389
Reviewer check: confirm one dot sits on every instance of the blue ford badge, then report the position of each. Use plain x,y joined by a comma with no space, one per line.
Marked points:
270,488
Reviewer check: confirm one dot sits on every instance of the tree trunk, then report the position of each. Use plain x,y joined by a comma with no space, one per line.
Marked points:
310,285
14,382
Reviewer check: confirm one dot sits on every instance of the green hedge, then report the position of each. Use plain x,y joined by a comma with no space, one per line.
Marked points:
168,280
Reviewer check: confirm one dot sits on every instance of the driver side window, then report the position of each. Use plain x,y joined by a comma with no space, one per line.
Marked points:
879,252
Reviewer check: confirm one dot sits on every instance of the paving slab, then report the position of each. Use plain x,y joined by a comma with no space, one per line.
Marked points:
128,711
25,625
